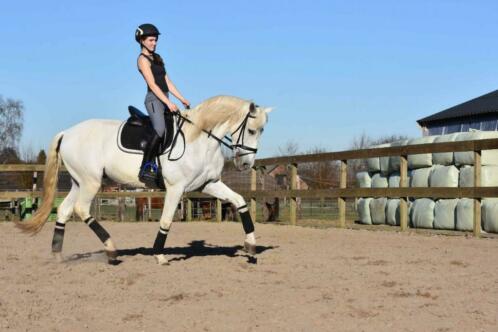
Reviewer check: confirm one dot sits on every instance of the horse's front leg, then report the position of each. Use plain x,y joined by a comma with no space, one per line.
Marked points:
220,190
173,195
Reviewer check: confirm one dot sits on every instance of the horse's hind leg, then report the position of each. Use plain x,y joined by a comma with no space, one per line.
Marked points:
82,208
64,212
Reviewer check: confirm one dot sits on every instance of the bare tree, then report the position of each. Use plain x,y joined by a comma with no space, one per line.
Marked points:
389,139
11,123
320,174
27,153
361,142
290,148
364,141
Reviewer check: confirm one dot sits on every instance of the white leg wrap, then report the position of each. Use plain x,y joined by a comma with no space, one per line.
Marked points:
250,238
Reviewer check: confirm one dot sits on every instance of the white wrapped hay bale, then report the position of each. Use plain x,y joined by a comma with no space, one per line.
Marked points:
422,213
420,160
364,180
384,161
488,157
489,176
444,158
444,176
393,180
379,181
465,214
364,210
444,214
393,212
466,157
420,177
374,163
466,178
378,210
395,161
489,215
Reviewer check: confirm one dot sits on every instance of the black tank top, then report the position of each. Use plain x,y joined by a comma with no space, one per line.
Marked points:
158,71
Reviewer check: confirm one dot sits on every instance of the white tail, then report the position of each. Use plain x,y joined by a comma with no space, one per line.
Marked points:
50,177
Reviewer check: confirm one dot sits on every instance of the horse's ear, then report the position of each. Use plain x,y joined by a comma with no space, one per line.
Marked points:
268,109
252,108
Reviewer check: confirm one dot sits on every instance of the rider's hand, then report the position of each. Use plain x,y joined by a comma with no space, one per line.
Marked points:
172,107
186,103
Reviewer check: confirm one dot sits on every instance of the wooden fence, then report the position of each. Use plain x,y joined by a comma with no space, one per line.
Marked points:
343,192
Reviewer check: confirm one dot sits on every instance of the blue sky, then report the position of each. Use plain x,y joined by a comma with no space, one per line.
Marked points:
332,69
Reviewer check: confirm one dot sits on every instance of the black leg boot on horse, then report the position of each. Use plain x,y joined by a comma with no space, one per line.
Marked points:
149,170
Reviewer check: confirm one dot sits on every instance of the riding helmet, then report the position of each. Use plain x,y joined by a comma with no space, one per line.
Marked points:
146,30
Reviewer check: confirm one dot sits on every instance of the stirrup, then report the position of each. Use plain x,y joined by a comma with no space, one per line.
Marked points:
153,169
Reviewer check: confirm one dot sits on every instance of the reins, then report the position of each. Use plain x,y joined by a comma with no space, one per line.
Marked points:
240,140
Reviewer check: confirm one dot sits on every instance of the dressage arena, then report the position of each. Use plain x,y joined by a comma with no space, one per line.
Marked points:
317,278
303,279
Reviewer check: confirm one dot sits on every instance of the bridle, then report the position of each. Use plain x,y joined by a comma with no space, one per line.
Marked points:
240,140
226,141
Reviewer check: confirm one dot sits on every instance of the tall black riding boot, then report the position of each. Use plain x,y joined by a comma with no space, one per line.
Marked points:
148,169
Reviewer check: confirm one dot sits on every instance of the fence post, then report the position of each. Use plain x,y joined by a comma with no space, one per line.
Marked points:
35,184
99,209
189,210
293,199
477,200
403,201
149,208
341,201
218,210
121,207
14,210
254,173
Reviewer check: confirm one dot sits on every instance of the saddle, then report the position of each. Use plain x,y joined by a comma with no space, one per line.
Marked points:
137,131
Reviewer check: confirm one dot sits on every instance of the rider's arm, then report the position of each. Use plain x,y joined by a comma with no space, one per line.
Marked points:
144,67
174,91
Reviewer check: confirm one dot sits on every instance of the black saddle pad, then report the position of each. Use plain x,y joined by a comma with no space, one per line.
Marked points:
137,131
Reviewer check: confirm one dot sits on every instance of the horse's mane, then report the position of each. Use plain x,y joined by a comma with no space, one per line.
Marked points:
215,111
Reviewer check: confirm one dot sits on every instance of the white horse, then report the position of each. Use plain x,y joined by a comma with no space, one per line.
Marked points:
89,151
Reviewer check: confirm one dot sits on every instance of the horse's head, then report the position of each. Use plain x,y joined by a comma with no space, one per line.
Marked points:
245,137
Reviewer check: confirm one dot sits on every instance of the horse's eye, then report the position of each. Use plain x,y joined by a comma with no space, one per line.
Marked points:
262,130
252,132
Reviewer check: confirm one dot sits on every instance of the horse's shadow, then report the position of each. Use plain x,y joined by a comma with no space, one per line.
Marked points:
197,248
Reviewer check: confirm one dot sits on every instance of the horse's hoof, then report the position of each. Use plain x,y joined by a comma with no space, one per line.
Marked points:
112,257
161,260
250,248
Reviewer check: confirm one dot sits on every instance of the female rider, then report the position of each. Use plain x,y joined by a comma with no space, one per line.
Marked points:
157,101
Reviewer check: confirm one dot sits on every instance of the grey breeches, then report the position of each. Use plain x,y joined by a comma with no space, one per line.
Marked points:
156,109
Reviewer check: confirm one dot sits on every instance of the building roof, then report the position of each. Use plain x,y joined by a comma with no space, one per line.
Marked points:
484,104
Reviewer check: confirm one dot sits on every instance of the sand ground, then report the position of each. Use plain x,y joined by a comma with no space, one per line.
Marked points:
303,280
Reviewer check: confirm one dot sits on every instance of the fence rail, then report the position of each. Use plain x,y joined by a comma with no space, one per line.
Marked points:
343,192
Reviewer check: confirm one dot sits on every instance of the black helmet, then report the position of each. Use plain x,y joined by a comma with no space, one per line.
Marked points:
146,30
